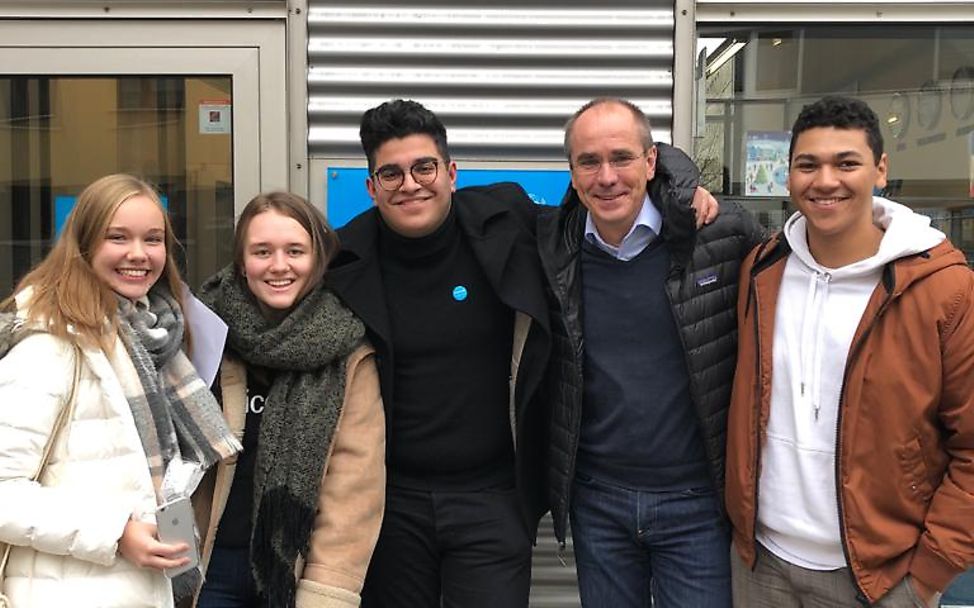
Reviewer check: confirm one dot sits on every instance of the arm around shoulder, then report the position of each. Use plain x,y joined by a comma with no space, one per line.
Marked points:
678,166
352,497
754,232
745,225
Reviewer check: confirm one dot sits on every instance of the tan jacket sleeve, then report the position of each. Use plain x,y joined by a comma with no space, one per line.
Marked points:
946,548
352,497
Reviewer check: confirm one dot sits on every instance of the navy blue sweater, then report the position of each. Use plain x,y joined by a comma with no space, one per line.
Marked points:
638,427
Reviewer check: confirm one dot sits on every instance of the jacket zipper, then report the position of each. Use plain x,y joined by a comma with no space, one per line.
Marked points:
757,408
853,355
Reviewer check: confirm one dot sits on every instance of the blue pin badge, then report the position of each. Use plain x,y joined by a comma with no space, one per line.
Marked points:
459,293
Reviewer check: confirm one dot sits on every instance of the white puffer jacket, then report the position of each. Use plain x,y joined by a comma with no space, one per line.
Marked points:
65,529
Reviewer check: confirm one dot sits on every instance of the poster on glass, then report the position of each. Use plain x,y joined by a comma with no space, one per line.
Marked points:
766,169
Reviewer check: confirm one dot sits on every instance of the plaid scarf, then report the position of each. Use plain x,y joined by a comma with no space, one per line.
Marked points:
174,411
307,350
11,331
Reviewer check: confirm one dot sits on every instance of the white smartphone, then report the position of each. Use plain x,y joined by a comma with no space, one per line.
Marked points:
175,521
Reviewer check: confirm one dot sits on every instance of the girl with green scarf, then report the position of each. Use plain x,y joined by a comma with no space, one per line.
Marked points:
294,520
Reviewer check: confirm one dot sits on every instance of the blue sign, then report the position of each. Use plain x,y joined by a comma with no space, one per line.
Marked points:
63,204
347,196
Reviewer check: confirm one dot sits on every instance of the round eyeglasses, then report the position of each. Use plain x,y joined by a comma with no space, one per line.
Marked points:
390,177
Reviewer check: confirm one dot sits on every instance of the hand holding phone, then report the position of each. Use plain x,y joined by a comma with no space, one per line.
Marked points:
140,545
176,525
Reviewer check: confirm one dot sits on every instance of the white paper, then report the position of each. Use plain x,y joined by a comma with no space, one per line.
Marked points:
181,479
209,337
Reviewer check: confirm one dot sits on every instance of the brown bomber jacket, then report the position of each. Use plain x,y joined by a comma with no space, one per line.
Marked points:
905,437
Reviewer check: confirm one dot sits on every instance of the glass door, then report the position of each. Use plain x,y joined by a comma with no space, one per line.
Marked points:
186,119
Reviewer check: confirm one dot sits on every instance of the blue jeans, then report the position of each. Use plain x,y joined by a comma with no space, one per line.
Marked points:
229,583
639,549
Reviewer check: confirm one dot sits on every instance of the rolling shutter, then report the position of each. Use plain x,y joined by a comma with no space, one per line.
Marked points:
503,80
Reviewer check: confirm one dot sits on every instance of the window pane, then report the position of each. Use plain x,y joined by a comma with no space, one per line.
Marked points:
57,134
918,79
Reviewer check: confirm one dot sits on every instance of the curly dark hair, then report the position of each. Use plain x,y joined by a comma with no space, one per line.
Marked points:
396,119
841,113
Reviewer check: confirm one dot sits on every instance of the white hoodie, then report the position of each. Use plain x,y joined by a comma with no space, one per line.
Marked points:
818,312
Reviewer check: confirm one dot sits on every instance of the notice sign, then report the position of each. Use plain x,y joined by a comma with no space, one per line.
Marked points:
214,116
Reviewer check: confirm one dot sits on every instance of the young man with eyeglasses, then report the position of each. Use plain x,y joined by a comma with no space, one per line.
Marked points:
643,356
450,286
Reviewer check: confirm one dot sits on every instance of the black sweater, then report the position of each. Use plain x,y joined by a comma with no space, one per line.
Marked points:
452,339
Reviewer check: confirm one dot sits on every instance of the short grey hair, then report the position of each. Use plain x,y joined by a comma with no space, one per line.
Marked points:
642,121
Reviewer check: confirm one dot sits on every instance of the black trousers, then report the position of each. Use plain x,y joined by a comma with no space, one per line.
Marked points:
464,549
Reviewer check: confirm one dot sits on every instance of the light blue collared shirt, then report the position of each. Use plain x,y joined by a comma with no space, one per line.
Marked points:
647,227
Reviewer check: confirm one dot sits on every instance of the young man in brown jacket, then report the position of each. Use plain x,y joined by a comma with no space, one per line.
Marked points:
850,457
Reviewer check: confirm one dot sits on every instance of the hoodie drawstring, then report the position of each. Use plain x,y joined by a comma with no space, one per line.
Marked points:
813,333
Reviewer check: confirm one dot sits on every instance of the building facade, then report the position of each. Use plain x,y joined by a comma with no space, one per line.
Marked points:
214,101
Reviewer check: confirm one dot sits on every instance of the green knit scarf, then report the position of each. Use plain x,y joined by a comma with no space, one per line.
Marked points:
307,351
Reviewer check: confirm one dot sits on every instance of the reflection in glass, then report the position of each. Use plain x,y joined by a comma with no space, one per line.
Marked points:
59,134
917,78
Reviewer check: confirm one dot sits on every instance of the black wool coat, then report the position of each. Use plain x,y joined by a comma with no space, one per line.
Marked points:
498,222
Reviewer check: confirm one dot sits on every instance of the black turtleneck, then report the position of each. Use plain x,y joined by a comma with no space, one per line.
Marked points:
452,339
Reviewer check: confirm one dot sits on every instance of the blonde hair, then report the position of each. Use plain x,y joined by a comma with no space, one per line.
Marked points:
66,291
